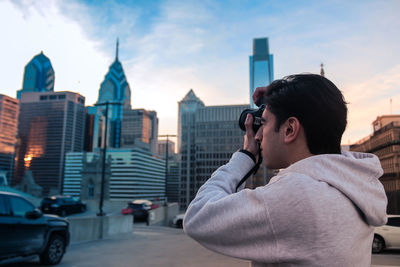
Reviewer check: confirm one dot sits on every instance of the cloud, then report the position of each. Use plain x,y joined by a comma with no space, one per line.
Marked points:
370,99
78,64
168,47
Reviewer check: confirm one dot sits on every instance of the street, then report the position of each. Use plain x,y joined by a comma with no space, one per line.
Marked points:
161,246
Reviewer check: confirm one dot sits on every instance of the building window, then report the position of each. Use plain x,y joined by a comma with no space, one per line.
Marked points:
43,97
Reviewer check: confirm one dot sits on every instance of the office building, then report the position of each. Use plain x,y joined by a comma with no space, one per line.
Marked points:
94,129
173,175
116,94
162,147
50,124
38,75
139,129
9,110
207,138
384,142
135,174
173,178
261,66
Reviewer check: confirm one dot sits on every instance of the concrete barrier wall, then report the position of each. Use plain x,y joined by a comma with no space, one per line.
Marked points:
173,210
163,215
118,224
84,228
92,227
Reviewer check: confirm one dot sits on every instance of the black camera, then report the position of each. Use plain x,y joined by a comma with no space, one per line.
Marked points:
256,113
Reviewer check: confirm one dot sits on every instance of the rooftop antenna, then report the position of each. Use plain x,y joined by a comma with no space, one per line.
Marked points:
390,106
116,52
322,70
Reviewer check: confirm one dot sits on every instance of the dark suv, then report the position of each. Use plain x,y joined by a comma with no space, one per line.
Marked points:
62,205
25,231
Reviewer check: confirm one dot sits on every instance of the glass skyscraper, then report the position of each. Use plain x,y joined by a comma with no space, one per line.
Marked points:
38,75
116,91
50,124
207,137
261,66
139,128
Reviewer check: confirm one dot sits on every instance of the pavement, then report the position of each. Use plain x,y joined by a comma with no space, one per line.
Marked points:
158,246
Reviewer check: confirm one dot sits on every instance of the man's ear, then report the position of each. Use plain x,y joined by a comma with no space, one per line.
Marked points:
292,129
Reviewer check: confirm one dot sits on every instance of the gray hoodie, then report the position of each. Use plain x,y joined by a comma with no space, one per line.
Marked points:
320,211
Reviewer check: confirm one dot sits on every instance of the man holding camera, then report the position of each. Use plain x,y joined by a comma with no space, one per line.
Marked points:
319,210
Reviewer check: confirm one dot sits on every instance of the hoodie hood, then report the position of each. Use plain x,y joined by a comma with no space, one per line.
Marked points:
354,174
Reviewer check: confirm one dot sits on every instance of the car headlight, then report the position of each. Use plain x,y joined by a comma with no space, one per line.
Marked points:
55,205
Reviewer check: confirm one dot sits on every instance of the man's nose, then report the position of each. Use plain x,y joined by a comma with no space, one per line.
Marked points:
258,136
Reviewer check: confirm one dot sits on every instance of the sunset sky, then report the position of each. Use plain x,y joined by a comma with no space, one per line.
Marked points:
169,47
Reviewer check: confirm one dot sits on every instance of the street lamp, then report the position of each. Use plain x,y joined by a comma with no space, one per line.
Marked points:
103,168
166,161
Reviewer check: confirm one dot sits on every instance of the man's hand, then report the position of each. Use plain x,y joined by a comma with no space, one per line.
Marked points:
250,143
258,94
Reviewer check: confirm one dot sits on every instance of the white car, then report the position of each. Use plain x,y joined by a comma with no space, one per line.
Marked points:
387,236
178,220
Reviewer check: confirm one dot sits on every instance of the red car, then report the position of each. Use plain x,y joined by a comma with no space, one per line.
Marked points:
139,209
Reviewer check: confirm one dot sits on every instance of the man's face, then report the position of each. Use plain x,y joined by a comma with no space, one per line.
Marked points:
273,148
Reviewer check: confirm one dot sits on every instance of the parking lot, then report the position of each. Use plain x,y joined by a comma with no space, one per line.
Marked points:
161,246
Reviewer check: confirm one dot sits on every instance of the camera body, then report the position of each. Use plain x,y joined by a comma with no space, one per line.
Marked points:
256,113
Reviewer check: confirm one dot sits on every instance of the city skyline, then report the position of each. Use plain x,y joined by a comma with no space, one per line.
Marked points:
166,49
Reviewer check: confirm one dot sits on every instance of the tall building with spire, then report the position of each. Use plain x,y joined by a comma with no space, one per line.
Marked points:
114,90
261,66
38,75
322,70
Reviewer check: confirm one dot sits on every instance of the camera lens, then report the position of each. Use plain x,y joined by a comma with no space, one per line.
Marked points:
256,113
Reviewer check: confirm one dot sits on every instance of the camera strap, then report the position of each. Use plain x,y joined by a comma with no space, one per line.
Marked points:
252,171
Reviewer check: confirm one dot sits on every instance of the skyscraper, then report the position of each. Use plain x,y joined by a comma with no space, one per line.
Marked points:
207,137
50,124
139,128
94,129
162,147
116,91
186,144
261,66
9,109
38,75
173,175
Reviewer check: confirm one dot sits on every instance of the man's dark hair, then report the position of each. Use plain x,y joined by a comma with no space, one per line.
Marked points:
316,102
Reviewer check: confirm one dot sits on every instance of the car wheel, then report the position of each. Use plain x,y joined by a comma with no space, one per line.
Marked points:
378,244
83,209
54,251
179,224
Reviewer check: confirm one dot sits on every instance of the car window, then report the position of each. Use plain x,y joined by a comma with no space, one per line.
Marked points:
394,222
69,201
20,206
3,206
136,206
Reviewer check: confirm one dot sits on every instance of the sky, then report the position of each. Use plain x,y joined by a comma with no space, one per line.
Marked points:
169,47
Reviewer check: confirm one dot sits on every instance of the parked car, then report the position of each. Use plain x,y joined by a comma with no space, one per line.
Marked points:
178,220
139,208
387,236
25,231
62,205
